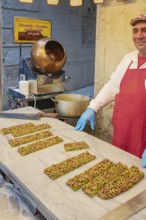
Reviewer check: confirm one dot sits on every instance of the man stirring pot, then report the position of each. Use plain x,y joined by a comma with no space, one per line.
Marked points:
127,87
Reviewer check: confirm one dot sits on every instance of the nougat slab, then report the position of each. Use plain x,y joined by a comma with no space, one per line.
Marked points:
39,145
30,138
121,183
64,167
93,186
20,132
76,146
9,129
80,180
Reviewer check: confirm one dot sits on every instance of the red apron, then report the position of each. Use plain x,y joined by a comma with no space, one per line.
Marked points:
129,117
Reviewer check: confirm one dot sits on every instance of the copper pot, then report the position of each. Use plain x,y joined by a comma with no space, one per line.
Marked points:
48,55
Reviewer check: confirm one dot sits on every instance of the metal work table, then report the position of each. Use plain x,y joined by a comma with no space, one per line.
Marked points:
41,101
15,92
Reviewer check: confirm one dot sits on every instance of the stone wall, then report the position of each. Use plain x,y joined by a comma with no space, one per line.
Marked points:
73,27
113,41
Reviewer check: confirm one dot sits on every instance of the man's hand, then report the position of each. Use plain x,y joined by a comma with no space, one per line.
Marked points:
88,115
144,159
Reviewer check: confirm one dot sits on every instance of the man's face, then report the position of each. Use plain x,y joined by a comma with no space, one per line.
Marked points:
139,37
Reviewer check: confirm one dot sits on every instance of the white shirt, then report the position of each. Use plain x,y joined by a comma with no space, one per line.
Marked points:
111,88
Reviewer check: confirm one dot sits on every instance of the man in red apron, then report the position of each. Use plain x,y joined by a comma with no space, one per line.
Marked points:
127,87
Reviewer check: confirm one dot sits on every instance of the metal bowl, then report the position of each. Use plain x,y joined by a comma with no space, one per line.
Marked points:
71,105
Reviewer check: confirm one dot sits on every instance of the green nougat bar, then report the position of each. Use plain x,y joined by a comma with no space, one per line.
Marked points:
9,129
103,178
76,146
32,129
39,145
30,138
68,165
78,181
121,183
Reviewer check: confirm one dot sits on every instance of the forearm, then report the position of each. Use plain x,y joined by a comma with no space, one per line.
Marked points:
111,88
104,97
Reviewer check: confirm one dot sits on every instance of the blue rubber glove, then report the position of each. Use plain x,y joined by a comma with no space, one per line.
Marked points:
144,159
88,115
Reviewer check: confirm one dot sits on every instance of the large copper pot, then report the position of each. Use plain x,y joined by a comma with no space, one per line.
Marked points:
48,55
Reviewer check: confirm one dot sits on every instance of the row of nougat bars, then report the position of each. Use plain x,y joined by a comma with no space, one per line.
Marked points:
23,129
20,132
106,179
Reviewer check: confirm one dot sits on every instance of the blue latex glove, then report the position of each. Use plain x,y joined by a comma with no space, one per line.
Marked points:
144,159
88,115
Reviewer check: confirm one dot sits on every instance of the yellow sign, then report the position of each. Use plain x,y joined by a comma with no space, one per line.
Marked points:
28,30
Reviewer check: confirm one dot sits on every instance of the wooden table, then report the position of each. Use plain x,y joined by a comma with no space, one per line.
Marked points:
53,198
